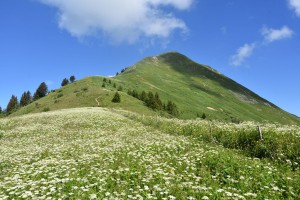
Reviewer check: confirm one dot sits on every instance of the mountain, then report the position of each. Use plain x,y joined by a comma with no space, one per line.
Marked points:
193,87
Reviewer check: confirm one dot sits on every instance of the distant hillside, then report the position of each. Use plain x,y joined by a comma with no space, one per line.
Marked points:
194,88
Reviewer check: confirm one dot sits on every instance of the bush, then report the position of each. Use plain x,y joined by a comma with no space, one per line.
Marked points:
117,98
46,109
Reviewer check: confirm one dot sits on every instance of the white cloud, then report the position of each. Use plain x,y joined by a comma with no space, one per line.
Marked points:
242,53
120,20
271,35
295,5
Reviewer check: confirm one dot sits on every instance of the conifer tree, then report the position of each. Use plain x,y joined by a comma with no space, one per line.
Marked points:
143,96
41,91
150,100
158,103
109,81
117,98
72,79
172,108
64,82
114,85
25,99
203,116
104,80
135,94
103,84
12,104
1,110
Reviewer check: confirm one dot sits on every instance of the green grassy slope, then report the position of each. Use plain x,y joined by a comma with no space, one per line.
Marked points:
87,92
195,88
200,89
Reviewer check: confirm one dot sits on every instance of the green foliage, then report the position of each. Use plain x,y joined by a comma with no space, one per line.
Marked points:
104,80
72,79
64,82
143,96
103,85
116,98
120,88
85,89
203,116
12,105
26,99
109,81
1,110
172,108
114,85
60,95
41,91
46,109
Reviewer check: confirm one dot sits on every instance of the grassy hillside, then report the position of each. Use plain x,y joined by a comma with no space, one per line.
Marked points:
97,153
87,92
198,89
195,88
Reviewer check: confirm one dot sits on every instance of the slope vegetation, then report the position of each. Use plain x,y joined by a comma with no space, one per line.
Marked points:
194,88
198,89
98,153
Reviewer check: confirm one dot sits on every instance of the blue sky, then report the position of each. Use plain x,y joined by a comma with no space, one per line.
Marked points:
254,42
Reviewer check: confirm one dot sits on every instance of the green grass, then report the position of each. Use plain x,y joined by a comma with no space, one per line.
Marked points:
98,153
87,92
195,88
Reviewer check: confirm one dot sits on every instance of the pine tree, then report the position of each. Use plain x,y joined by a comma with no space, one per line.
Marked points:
109,81
117,98
104,80
158,103
172,108
1,110
72,79
143,96
150,100
41,91
114,85
103,85
12,104
203,116
25,99
135,94
64,82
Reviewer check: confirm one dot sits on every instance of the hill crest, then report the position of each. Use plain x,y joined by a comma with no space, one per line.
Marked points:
196,89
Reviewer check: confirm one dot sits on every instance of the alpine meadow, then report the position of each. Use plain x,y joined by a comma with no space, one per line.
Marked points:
164,128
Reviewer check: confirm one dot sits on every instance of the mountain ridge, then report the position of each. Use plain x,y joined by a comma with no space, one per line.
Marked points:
195,88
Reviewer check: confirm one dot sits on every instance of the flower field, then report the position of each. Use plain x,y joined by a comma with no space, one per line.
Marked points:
95,153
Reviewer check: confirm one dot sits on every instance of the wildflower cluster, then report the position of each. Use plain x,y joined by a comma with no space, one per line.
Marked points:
96,153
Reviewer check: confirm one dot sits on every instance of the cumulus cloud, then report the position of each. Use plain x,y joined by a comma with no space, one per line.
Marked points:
120,20
271,35
295,5
242,53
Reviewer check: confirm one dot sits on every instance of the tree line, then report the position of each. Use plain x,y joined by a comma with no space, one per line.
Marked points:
151,100
26,98
154,102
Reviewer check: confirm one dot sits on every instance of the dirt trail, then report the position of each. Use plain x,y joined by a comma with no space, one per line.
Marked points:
98,103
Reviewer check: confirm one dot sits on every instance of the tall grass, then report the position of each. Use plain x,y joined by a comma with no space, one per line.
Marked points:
280,142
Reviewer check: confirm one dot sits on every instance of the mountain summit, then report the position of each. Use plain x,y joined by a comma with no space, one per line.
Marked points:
196,89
